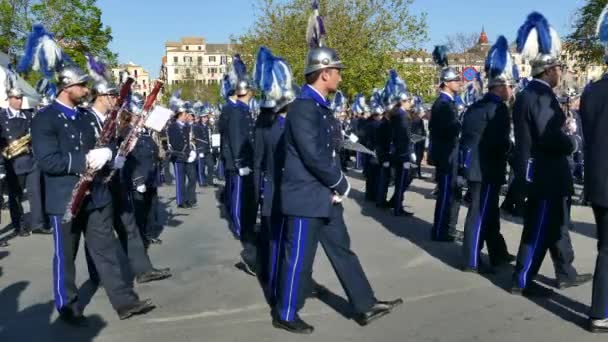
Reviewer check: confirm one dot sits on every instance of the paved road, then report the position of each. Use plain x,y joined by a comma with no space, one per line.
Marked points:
208,299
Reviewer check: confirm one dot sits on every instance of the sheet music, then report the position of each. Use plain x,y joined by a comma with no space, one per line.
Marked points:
157,119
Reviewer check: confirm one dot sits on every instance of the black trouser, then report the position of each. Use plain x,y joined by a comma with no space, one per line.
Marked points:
146,209
447,205
384,178
16,184
166,171
419,150
483,226
105,251
402,182
185,183
545,228
372,172
228,193
299,246
205,170
516,194
599,299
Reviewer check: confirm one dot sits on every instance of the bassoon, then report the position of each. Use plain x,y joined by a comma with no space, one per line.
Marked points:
83,186
129,142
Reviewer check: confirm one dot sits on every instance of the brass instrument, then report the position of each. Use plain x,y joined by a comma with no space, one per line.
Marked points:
18,147
162,154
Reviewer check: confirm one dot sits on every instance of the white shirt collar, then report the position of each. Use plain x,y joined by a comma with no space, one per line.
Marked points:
100,116
13,113
448,95
316,91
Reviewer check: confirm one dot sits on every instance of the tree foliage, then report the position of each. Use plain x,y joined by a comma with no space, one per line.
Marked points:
582,40
461,42
193,91
366,34
76,24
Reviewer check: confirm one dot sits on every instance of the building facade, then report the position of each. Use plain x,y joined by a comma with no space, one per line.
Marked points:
142,84
193,59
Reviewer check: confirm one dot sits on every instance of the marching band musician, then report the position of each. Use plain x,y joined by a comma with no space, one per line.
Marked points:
312,189
372,165
64,140
104,96
18,167
544,138
384,156
202,135
444,127
484,145
182,154
400,100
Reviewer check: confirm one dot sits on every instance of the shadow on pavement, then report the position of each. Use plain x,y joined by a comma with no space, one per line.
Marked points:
33,323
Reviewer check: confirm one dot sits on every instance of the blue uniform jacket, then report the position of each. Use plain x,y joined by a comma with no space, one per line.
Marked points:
269,158
240,133
312,167
178,135
444,128
60,146
12,129
142,164
401,135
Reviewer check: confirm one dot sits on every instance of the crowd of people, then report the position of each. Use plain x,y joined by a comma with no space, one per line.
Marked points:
283,152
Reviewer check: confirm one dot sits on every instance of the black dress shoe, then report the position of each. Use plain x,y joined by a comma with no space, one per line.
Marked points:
42,230
480,269
154,241
598,325
504,260
139,307
532,290
23,233
580,279
378,310
4,243
390,304
404,213
72,317
297,326
246,267
183,206
444,239
318,291
153,275
457,235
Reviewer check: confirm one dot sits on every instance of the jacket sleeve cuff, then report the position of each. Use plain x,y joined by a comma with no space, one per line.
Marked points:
137,181
341,186
77,163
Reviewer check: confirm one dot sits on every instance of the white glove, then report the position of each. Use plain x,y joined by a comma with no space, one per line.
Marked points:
413,158
353,138
201,155
460,181
119,162
571,126
2,176
336,198
191,156
386,164
407,166
244,171
141,189
97,158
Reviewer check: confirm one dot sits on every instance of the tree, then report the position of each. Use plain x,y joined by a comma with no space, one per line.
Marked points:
193,91
461,42
582,40
76,25
365,33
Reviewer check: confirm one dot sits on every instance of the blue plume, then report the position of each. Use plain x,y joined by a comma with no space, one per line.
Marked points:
497,57
27,60
97,69
536,36
315,4
226,87
42,53
316,28
337,103
262,75
238,70
440,56
602,27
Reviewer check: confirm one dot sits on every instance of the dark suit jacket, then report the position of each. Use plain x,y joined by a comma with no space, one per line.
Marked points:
383,140
142,163
269,159
179,141
444,128
485,142
240,134
312,167
537,122
401,135
594,118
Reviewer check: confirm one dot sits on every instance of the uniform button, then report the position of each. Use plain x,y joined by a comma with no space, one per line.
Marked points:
7,130
59,115
324,116
77,148
327,145
65,125
10,137
73,136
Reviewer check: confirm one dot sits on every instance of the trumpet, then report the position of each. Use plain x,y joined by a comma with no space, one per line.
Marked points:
18,147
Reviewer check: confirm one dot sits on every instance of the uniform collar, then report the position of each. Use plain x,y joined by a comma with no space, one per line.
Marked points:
542,82
12,113
446,96
309,92
493,98
241,104
69,112
100,116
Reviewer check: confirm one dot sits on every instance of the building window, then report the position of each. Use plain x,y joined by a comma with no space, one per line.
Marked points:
188,72
223,59
175,59
176,71
187,47
200,48
211,58
199,59
199,70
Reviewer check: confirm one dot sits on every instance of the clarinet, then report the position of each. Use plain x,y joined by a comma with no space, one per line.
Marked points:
128,144
82,188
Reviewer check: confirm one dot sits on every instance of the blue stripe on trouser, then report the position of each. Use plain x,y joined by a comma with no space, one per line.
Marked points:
446,193
523,277
236,204
290,294
477,228
58,268
275,250
201,171
178,184
397,206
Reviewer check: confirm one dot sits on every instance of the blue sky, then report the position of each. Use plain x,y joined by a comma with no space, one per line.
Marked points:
140,28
